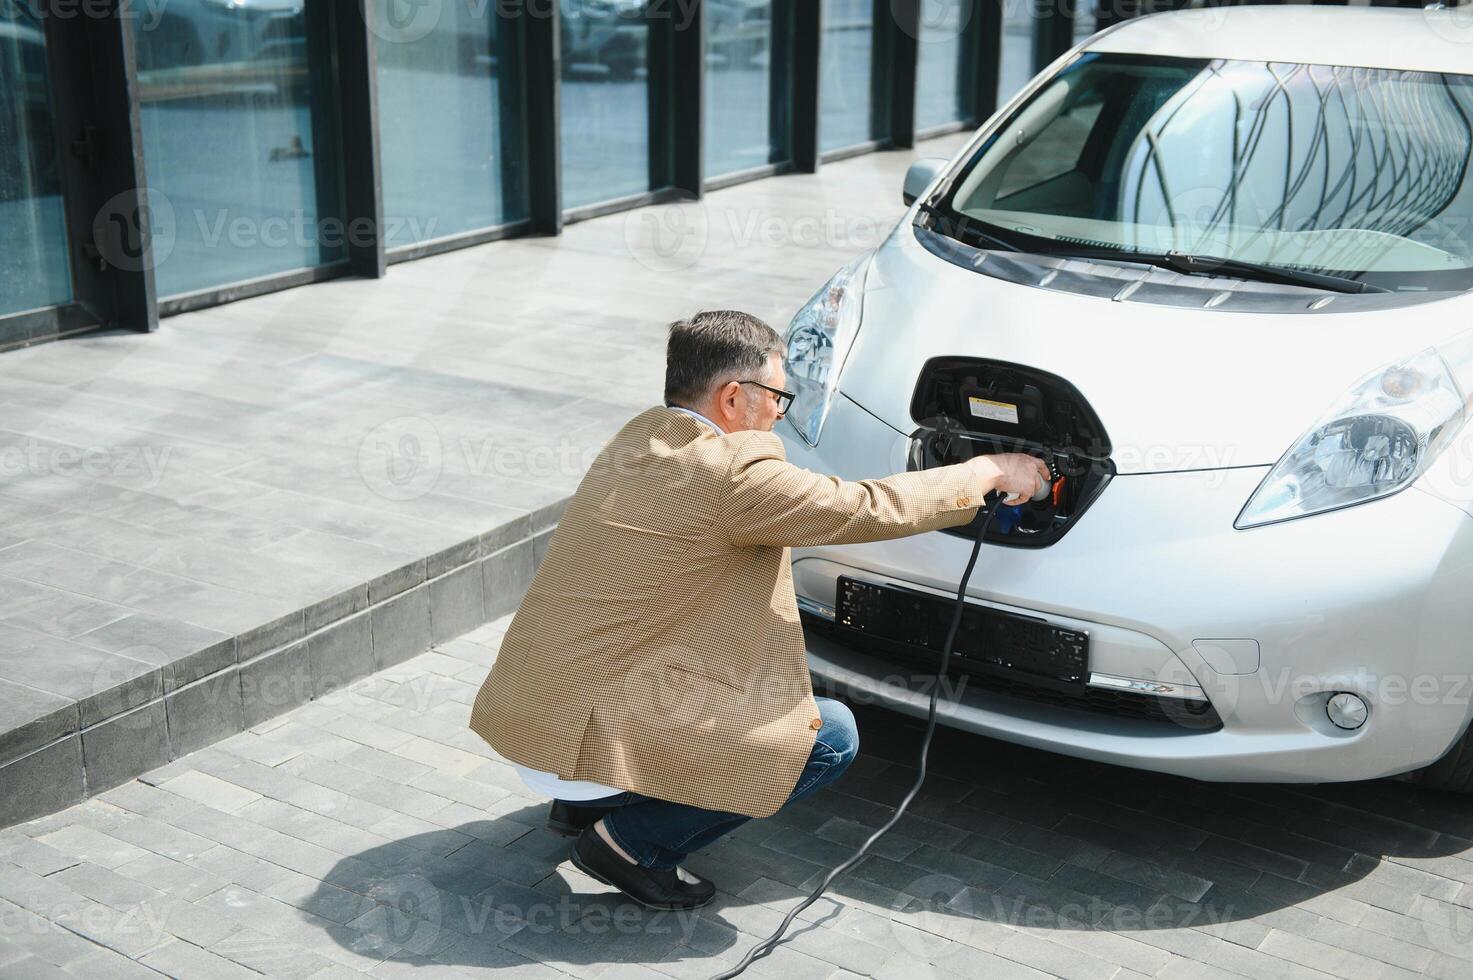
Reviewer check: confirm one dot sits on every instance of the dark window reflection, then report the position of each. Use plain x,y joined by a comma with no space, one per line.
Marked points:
605,99
846,92
742,77
451,123
938,69
1018,20
240,139
1364,172
33,259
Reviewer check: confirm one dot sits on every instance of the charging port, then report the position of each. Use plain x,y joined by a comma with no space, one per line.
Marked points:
968,407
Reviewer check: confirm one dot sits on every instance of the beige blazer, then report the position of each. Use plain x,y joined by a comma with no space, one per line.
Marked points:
658,649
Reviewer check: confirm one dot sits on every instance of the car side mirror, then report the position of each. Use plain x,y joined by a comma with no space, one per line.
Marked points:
919,177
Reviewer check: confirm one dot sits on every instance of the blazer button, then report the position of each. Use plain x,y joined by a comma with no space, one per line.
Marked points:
964,501
816,724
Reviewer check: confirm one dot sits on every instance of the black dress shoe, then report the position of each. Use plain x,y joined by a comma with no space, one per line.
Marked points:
569,820
673,889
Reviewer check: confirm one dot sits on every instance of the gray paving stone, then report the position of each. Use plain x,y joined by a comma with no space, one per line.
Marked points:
32,855
171,877
30,719
457,603
102,684
274,683
104,885
340,654
185,652
42,782
346,603
280,631
507,575
401,627
400,579
124,746
447,559
204,712
275,957
183,959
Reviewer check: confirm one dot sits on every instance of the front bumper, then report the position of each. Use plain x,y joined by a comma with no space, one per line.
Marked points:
1370,600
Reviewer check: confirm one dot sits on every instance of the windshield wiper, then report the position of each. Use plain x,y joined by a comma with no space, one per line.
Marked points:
1206,265
968,229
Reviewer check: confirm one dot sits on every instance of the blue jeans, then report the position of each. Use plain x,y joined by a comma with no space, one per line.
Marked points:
659,834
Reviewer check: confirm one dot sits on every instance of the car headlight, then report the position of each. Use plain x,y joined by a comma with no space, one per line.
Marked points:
818,341
1378,438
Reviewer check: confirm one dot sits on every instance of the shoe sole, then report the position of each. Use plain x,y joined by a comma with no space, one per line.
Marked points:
578,863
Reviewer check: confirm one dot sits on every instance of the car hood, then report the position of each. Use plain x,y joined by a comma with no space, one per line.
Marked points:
1175,388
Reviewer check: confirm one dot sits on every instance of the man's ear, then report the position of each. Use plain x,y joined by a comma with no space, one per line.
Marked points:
728,396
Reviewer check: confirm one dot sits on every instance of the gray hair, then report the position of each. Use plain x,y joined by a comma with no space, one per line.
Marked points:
715,347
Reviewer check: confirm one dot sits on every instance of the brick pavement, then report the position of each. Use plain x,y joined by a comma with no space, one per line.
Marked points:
370,832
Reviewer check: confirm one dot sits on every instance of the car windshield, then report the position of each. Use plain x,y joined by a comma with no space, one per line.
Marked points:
1361,173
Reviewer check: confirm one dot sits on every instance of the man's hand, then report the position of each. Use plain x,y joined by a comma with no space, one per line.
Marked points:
1016,474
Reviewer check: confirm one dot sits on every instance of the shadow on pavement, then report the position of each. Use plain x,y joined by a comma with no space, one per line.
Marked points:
1001,838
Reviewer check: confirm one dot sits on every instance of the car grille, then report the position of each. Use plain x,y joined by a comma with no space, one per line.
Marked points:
1192,716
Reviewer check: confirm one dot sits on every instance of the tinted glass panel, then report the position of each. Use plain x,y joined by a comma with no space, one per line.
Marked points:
938,72
240,139
1018,21
742,73
605,99
845,97
450,114
33,260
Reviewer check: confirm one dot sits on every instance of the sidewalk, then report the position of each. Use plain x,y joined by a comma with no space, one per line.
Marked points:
206,526
371,832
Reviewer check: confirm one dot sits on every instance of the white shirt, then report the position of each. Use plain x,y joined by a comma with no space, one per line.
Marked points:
547,783
690,411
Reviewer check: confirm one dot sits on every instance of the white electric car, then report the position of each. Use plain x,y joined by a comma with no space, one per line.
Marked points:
1214,266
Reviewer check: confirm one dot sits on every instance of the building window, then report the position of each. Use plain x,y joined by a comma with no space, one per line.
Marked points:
240,141
605,99
34,270
1019,20
746,79
847,106
939,65
450,113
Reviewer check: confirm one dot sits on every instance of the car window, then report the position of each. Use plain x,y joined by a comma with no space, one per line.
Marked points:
1357,172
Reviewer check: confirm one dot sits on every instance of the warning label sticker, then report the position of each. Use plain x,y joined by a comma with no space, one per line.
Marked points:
983,408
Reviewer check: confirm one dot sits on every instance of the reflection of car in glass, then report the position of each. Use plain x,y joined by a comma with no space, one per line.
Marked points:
28,164
198,32
738,31
1215,267
612,33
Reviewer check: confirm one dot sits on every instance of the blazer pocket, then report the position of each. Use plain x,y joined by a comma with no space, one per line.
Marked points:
686,699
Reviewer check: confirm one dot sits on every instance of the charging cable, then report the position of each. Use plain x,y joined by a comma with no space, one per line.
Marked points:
767,944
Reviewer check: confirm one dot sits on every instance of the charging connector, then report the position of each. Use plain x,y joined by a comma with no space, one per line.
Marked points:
981,522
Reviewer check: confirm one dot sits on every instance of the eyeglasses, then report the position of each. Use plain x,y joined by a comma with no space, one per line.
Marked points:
784,398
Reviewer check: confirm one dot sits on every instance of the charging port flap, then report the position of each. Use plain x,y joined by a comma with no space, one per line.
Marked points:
967,406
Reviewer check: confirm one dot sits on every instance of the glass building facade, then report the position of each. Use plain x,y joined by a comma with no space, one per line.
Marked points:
850,71
240,141
174,156
35,267
454,101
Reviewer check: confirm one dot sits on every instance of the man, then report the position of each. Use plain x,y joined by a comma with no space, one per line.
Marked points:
654,681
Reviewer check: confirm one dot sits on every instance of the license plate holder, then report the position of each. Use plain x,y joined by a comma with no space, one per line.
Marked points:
987,637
